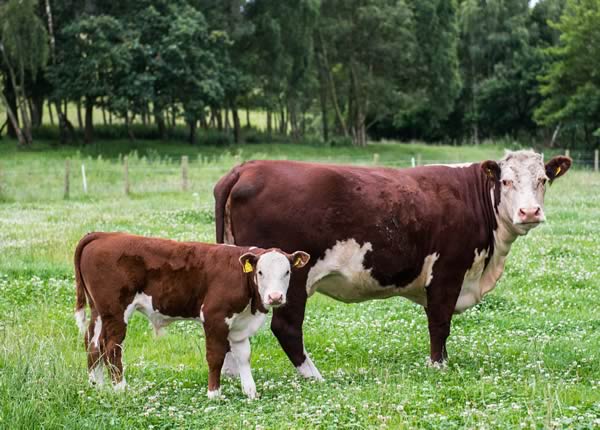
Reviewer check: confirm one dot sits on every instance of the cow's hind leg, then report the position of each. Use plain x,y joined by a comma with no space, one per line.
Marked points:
92,346
287,327
114,335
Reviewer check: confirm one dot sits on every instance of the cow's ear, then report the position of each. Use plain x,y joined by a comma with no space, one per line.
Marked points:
491,169
299,259
248,262
557,167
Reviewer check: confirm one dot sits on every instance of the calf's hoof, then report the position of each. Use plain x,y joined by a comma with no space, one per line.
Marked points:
120,386
214,394
309,370
250,391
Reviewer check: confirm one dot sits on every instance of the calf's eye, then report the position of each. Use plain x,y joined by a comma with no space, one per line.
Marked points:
260,272
507,183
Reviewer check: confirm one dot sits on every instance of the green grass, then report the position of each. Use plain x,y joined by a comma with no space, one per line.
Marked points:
527,357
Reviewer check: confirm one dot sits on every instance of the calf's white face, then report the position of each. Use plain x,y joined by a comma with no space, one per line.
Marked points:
523,177
272,272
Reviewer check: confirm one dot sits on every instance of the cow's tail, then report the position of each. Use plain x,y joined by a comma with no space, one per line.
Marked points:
80,289
221,192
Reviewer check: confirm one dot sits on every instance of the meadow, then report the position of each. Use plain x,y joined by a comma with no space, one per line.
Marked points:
527,357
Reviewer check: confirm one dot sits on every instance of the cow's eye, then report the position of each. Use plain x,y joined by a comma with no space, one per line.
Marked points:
543,181
507,182
287,273
260,272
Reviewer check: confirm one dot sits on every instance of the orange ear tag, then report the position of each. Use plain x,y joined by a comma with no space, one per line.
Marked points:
248,267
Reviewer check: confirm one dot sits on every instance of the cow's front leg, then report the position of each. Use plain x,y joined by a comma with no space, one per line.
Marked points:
216,333
442,294
241,352
287,327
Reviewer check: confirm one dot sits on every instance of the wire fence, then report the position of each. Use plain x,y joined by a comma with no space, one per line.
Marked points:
75,178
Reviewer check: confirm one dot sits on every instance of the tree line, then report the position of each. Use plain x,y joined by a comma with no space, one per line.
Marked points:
435,70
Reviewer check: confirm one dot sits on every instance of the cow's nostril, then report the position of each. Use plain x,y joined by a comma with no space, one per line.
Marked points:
538,211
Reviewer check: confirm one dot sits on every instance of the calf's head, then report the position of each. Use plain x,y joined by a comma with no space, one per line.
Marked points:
271,271
522,178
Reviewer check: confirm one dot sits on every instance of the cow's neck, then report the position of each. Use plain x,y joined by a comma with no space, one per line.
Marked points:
503,240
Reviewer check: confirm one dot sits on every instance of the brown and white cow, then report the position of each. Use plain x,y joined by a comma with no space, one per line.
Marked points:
438,235
228,289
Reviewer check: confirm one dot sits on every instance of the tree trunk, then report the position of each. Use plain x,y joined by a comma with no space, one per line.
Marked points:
332,88
50,113
248,125
12,119
159,118
79,117
37,111
88,135
227,123
103,108
236,123
269,122
283,122
219,118
10,101
323,101
192,135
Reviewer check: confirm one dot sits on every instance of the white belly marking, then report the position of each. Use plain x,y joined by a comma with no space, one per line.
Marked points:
341,275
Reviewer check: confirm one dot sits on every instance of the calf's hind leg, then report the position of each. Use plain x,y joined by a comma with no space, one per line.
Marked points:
92,346
114,334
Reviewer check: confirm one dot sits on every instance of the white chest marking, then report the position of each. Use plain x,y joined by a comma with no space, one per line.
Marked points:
341,274
245,324
470,292
143,303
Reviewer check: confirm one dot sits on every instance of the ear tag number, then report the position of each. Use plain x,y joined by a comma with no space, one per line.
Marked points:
248,267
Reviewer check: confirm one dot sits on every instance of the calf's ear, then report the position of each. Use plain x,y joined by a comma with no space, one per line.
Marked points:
491,169
557,167
299,259
248,262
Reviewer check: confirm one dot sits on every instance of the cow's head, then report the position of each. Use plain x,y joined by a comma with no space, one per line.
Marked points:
522,178
272,271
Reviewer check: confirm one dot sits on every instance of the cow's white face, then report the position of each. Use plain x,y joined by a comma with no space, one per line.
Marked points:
272,272
522,178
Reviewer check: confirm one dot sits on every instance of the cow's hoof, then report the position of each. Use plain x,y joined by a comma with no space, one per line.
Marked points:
438,365
309,370
250,391
214,394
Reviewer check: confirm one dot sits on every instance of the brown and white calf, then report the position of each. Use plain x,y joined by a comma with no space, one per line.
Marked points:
229,289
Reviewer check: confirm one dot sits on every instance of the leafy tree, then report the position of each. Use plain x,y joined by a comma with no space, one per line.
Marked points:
369,49
24,50
571,86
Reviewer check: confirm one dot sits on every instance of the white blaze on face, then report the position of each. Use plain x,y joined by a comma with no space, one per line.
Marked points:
273,276
522,181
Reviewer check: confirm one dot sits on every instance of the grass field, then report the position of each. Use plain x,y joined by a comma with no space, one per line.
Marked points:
527,357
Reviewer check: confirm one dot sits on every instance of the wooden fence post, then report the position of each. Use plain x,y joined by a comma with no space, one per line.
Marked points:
67,174
376,159
184,173
126,173
596,160
84,178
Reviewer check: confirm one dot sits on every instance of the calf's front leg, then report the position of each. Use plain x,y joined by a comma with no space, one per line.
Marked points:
241,353
216,333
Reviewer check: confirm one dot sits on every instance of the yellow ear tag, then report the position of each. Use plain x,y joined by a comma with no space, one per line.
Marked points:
489,172
298,261
248,267
558,169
